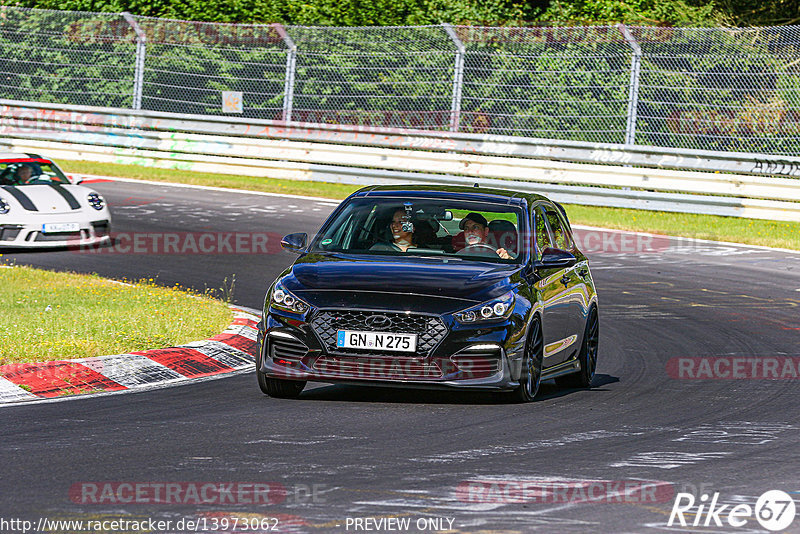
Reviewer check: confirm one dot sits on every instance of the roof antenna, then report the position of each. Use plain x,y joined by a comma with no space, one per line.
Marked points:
476,184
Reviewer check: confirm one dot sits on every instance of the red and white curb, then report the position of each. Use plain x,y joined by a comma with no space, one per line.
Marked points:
232,350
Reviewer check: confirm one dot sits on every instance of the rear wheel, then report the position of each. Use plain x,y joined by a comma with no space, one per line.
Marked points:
531,374
587,356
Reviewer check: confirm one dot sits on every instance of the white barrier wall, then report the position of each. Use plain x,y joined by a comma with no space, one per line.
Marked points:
744,185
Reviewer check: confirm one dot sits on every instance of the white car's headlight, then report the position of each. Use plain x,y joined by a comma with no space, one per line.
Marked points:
499,308
96,201
4,206
284,300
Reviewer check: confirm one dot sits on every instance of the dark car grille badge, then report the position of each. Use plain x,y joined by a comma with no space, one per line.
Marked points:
378,321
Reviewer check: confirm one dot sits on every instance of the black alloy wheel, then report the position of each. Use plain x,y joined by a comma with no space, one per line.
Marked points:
587,356
531,374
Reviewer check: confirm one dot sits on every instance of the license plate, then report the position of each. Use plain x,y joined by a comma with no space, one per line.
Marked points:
50,228
352,339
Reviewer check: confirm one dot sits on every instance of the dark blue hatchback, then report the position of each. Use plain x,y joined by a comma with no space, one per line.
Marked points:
433,287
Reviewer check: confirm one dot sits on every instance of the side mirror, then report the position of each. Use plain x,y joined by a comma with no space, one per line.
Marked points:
553,258
294,242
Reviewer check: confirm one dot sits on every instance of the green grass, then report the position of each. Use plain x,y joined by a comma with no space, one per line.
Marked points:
51,316
749,231
737,230
289,187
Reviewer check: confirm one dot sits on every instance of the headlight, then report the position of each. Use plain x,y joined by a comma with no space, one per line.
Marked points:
499,308
283,300
4,207
96,201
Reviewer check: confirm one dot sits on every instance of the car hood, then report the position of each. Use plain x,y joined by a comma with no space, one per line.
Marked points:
46,199
341,280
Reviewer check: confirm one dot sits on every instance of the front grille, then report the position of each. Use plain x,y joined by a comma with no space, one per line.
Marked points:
378,368
291,350
59,236
430,329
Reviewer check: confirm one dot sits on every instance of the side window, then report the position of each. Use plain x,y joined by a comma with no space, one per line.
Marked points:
542,235
561,237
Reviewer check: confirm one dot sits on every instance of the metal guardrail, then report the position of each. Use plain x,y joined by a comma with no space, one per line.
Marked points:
653,178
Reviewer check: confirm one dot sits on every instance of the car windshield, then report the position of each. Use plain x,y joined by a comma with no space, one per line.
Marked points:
30,173
469,230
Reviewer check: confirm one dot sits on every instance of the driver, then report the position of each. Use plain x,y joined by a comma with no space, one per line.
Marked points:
476,232
24,173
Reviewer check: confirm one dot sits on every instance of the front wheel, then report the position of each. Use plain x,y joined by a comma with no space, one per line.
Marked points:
531,374
278,388
587,356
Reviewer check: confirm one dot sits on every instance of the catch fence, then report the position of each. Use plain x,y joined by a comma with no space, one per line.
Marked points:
720,89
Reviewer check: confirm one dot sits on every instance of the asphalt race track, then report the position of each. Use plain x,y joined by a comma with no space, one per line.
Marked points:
465,462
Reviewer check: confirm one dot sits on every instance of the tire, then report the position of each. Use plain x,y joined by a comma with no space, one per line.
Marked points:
531,373
276,387
587,357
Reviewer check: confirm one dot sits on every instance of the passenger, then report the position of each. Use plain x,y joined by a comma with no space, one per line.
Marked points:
476,233
402,234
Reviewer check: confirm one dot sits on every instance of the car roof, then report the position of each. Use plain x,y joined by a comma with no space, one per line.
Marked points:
485,194
15,157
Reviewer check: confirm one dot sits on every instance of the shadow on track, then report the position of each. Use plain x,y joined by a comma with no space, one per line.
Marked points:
370,393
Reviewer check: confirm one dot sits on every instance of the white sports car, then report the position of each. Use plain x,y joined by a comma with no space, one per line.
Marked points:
41,207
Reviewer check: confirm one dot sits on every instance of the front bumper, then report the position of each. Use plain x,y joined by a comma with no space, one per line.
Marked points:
487,358
30,235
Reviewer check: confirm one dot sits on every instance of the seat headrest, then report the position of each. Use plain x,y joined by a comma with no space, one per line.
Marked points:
501,225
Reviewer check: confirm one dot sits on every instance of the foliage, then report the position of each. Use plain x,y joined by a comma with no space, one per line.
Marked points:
763,13
645,12
307,12
413,12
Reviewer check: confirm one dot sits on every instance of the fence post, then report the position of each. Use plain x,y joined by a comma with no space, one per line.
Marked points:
458,78
633,87
291,65
138,71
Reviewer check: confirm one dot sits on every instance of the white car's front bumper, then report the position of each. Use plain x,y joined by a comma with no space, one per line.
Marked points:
30,234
